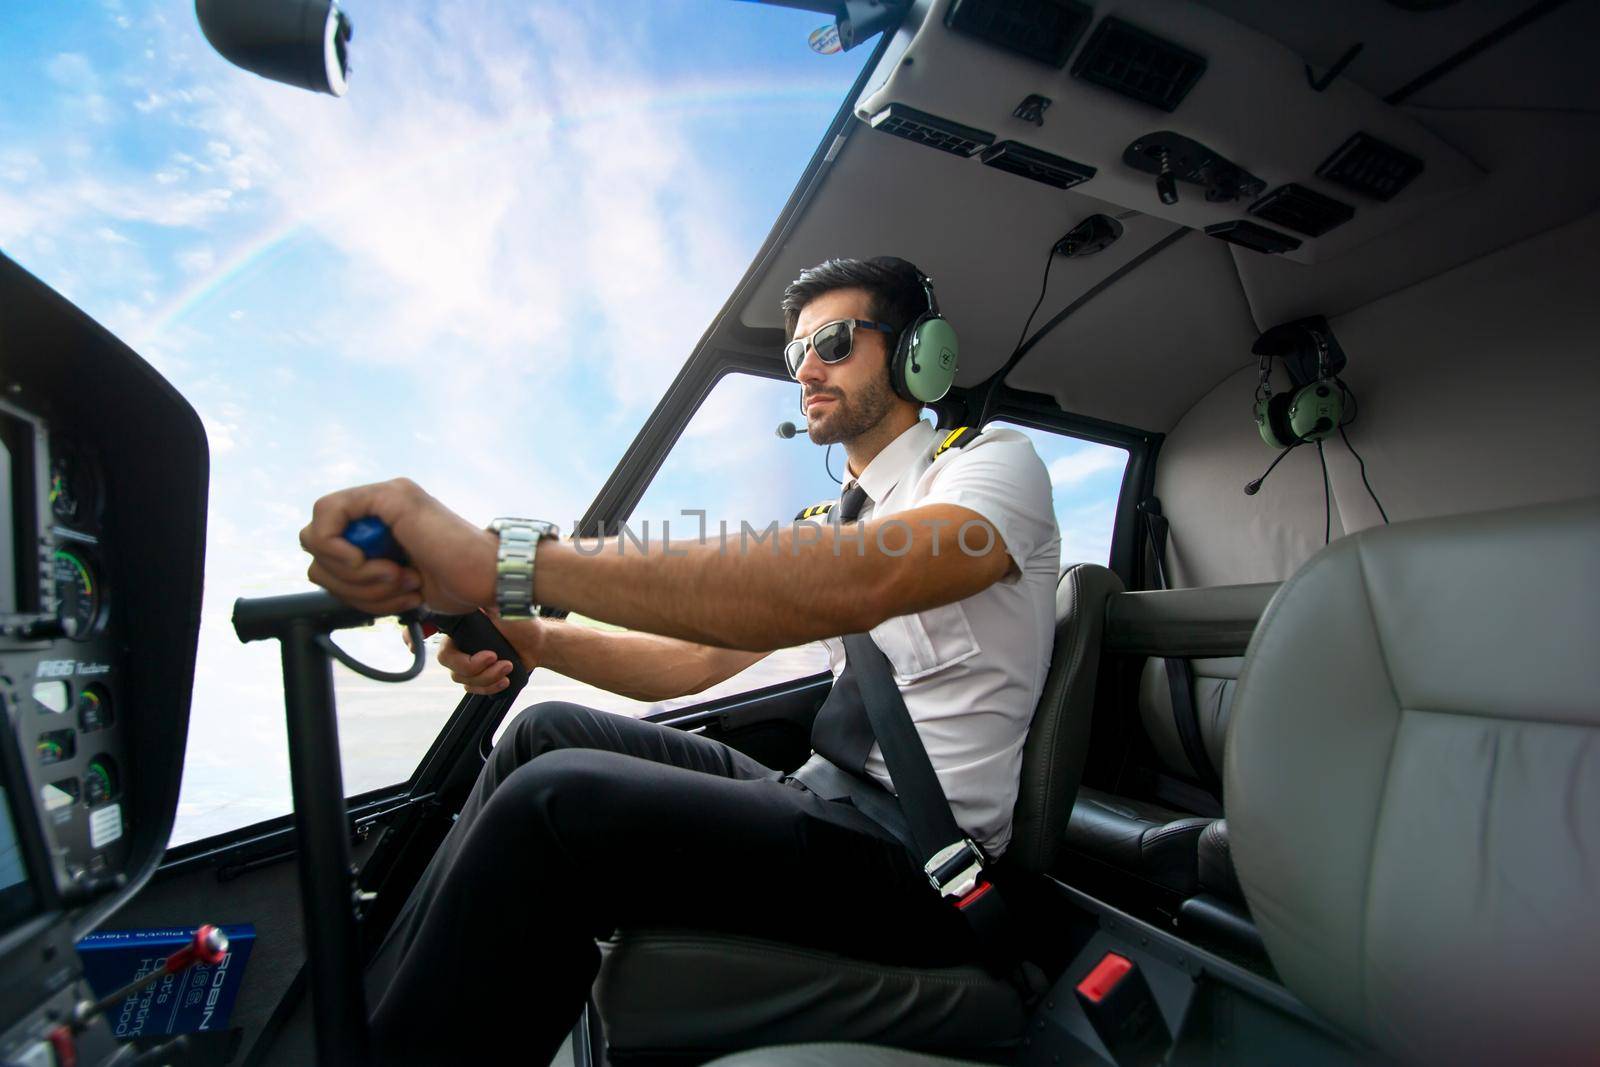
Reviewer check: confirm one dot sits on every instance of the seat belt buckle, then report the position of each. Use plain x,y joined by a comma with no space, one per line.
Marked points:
955,871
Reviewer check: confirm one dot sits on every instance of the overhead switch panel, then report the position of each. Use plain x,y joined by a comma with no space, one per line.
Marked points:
1037,164
1045,30
931,130
1127,60
1370,167
1302,210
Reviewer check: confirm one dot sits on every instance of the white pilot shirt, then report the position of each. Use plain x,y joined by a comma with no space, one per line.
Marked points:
971,672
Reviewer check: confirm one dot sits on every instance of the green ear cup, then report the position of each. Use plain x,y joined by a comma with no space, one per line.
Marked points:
1263,425
1315,411
928,360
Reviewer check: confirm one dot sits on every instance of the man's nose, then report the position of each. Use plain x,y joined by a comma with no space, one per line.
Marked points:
811,368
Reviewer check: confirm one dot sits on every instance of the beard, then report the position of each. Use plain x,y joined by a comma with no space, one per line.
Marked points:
851,416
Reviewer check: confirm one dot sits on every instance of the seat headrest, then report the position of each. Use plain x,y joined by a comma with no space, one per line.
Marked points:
1413,784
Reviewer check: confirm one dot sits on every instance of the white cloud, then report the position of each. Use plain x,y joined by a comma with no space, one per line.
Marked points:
1075,468
197,260
71,70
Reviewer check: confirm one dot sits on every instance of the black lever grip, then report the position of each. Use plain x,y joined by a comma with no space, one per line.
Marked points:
475,632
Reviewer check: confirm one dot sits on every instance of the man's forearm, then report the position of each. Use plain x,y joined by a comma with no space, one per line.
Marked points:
638,665
795,585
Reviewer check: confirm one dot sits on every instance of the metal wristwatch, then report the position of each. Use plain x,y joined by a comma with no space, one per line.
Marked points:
513,564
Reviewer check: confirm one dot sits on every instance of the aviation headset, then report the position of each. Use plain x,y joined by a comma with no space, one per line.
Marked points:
1306,413
923,365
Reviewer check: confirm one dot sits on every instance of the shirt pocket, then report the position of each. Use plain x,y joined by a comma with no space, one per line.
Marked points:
925,643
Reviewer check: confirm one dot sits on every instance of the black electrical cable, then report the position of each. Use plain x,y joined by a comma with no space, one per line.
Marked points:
1354,409
1363,465
1044,286
413,629
827,465
1327,497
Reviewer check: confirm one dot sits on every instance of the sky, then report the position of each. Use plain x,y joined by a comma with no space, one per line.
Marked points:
480,269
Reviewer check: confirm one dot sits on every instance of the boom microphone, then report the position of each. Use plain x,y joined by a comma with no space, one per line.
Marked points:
786,430
1252,488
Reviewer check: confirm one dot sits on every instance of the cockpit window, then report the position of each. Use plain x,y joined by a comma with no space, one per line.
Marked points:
480,269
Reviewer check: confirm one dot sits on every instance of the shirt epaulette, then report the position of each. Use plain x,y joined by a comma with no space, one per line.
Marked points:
960,437
816,510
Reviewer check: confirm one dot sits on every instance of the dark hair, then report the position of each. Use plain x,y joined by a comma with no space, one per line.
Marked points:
894,290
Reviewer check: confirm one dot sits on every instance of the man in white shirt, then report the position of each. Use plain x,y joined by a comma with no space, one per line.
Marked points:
582,821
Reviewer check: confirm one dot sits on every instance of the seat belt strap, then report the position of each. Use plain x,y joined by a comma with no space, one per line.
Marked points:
1179,671
953,863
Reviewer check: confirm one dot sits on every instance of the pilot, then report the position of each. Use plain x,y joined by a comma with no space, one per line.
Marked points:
584,821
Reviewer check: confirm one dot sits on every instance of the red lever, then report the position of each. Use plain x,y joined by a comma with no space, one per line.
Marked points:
209,946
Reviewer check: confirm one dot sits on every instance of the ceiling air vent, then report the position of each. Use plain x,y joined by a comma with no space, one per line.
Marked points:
1302,210
1256,238
1045,30
1125,59
1041,166
931,130
1371,167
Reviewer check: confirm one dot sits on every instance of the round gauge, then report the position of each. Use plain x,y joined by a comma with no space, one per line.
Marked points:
99,781
74,495
78,593
94,708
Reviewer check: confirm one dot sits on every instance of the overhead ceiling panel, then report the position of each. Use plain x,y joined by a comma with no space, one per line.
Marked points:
1252,105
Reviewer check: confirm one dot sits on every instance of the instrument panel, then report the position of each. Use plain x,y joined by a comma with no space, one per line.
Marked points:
61,650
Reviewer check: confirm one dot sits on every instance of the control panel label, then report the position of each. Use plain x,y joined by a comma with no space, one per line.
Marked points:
105,825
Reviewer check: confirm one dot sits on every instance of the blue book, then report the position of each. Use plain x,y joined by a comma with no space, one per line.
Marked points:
200,998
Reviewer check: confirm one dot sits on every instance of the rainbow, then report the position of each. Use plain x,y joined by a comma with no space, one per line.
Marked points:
687,101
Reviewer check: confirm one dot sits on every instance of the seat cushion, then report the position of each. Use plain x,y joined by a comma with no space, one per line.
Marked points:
661,991
1153,843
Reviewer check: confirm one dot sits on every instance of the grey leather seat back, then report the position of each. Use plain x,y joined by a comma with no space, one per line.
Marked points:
1413,782
1210,627
1215,679
1058,737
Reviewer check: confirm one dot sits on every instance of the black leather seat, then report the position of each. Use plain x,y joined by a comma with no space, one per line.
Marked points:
668,994
1139,838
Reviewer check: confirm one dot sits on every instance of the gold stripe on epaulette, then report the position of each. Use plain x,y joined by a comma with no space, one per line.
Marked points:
815,509
959,437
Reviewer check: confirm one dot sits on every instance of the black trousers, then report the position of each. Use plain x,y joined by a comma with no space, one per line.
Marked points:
584,821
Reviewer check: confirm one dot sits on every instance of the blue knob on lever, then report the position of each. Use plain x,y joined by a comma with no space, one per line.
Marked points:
373,537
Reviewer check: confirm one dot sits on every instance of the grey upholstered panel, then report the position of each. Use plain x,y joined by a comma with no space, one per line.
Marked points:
1058,738
835,1054
672,990
1214,683
1413,777
1214,621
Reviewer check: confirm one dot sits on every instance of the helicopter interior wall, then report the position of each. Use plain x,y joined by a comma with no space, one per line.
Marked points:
1475,392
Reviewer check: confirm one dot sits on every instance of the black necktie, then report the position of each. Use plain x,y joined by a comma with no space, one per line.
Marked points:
841,731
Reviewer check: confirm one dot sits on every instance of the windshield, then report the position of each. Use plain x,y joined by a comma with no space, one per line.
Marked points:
479,269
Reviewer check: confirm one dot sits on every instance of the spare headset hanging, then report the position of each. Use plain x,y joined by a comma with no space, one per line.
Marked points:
1307,414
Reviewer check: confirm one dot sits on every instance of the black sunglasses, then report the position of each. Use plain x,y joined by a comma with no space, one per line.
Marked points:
832,342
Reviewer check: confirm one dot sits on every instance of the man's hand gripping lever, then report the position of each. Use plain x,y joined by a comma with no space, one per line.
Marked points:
472,632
